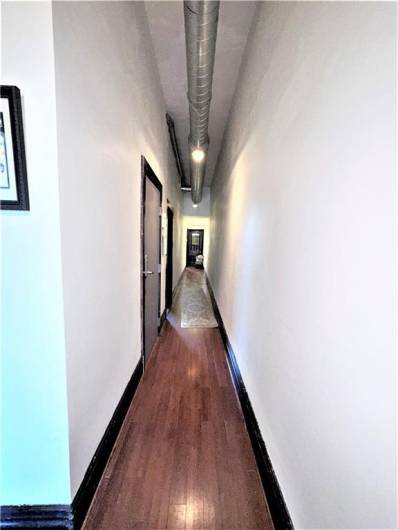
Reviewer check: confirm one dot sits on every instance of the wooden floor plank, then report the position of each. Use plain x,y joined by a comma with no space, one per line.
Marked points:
183,458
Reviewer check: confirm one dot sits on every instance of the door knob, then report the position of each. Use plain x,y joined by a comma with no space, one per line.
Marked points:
147,273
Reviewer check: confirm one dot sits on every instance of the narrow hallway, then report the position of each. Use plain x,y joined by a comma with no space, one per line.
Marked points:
183,458
198,233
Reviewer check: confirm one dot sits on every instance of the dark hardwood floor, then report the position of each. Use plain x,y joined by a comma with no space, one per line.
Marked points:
183,459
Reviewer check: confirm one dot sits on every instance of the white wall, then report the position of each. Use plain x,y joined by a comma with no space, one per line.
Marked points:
110,111
303,253
34,439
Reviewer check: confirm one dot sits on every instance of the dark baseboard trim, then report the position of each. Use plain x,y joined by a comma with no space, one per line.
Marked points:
25,517
162,319
87,489
178,285
71,517
276,503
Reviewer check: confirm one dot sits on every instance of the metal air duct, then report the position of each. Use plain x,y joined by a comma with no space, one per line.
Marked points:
201,19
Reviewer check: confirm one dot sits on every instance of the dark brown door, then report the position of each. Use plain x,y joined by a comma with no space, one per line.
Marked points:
194,245
152,200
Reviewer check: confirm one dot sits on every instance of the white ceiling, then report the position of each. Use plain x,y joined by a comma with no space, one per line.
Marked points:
166,23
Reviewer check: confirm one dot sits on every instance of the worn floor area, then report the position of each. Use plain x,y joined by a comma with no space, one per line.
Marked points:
183,459
196,309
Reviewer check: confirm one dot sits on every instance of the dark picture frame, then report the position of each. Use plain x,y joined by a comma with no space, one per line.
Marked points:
14,193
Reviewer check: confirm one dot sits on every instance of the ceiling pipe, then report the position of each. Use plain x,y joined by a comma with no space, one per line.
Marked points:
201,19
176,151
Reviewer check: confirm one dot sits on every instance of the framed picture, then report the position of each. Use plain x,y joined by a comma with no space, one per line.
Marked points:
14,193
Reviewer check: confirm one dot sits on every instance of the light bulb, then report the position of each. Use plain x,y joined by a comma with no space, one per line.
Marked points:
198,155
194,205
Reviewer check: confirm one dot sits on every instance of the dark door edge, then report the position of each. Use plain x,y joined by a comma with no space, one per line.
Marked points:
169,262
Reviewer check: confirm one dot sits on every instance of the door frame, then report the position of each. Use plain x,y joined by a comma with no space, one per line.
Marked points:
147,172
169,263
203,242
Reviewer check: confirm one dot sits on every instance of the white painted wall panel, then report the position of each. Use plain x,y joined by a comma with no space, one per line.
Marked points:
110,111
34,458
303,253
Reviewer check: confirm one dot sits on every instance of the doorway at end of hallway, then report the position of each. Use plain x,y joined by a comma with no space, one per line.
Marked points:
195,239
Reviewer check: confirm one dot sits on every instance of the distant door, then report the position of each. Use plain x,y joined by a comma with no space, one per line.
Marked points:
194,245
169,266
152,201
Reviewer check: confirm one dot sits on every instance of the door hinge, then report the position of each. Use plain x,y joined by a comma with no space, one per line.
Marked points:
159,268
160,211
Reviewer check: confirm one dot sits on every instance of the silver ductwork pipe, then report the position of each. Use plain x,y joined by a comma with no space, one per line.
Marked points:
201,19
